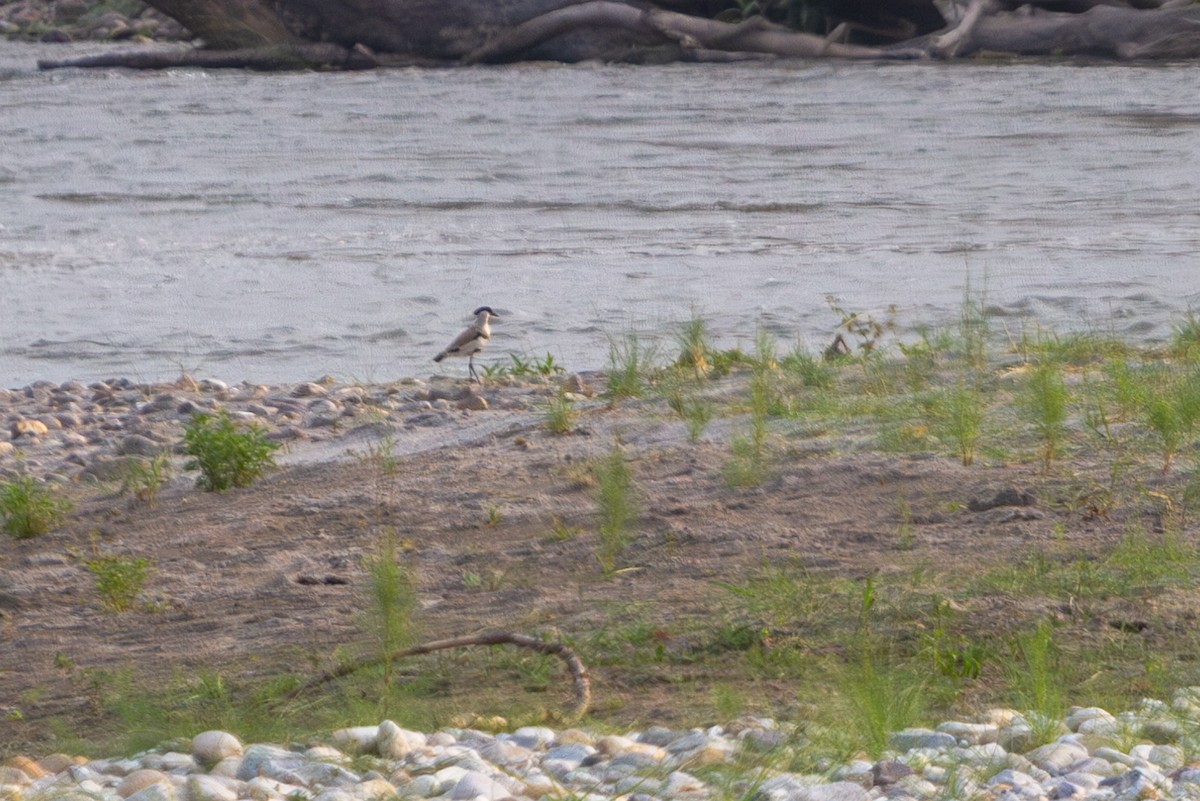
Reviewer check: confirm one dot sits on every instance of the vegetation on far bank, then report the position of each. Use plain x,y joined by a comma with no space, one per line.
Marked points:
1100,432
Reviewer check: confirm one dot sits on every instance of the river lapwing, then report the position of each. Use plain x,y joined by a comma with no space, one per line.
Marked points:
472,340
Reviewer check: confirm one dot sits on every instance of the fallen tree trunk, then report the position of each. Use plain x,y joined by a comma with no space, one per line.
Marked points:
357,34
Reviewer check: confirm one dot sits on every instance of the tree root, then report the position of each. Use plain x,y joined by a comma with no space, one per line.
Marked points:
579,674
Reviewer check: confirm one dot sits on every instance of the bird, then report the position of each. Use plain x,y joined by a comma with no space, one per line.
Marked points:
472,340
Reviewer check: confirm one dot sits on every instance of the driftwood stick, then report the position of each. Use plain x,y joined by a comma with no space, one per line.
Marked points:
579,674
267,57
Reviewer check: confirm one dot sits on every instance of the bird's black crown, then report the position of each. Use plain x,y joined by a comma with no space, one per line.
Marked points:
487,309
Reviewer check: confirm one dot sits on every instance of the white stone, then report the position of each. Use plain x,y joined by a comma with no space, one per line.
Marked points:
1077,715
211,788
1167,756
227,767
159,791
373,789
837,791
210,747
534,736
909,739
139,780
474,784
358,740
986,754
970,733
1058,757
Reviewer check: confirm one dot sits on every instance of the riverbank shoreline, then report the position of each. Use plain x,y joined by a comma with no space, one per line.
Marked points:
66,21
739,587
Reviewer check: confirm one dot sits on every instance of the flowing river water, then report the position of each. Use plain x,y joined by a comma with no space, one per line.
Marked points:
277,227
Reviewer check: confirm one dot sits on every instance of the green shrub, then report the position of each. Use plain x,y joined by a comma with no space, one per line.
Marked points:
29,507
119,579
226,454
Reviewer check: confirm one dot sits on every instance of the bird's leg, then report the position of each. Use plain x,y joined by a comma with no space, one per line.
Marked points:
471,368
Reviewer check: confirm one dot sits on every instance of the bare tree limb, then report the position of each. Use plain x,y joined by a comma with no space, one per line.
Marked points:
579,673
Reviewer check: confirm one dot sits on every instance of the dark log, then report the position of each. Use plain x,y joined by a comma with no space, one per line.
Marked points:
580,681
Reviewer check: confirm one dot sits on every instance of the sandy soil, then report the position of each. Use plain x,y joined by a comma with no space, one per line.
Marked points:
268,578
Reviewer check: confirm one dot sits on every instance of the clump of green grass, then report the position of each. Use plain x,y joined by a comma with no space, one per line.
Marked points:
119,579
617,507
811,370
1185,336
141,478
390,601
525,367
748,465
695,347
956,417
1044,405
30,507
1171,408
695,410
628,362
226,454
1036,680
560,414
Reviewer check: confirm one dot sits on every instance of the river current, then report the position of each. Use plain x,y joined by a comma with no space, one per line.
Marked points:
278,227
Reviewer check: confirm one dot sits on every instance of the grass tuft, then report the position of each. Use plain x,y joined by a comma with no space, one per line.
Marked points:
617,507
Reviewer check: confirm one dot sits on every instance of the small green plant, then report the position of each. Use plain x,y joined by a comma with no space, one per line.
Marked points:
1185,336
390,601
560,531
119,579
141,478
748,466
695,346
525,367
1171,408
30,507
905,537
956,416
628,362
1044,405
494,515
383,453
695,411
226,454
863,326
560,414
1035,676
973,328
811,370
614,496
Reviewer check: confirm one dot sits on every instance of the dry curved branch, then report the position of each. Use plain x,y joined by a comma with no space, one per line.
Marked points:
582,684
